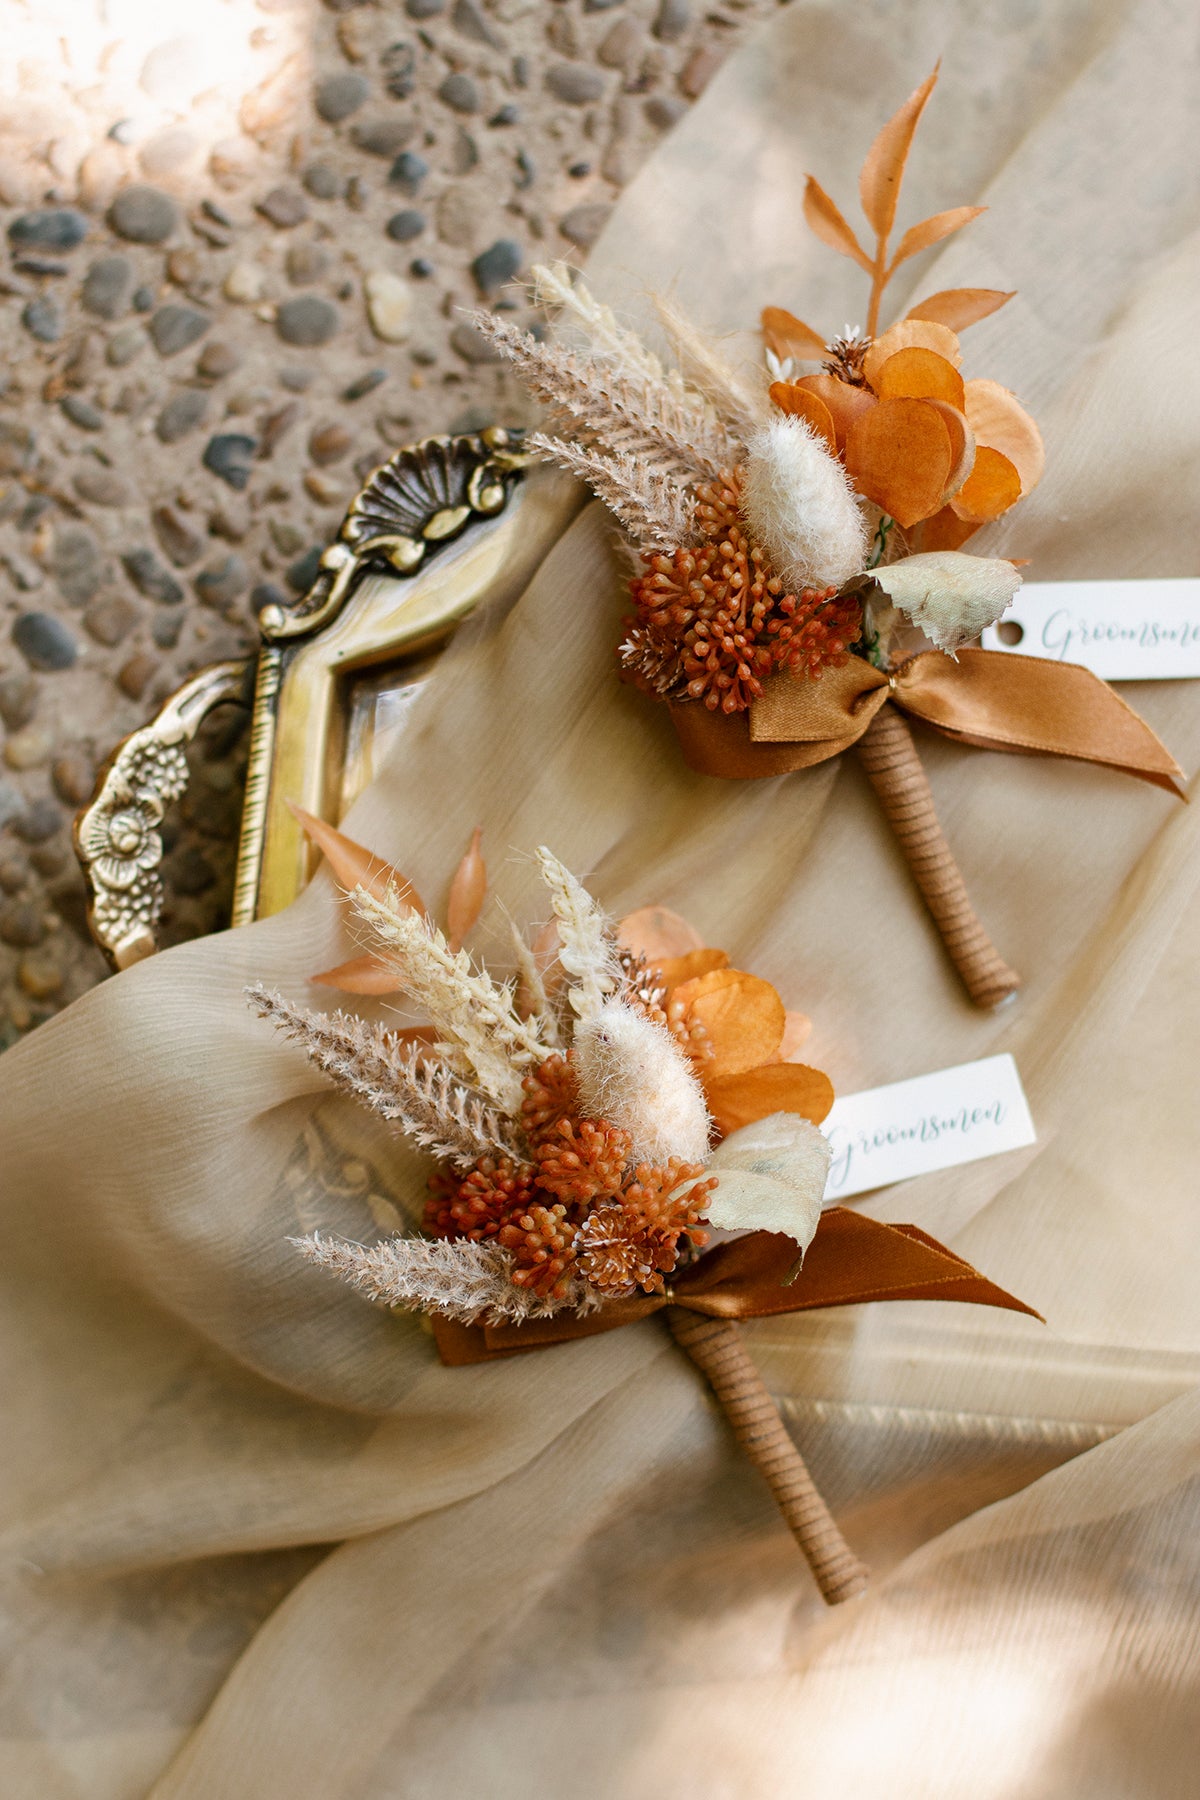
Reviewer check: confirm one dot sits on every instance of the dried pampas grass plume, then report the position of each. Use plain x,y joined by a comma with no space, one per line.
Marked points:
800,507
459,1280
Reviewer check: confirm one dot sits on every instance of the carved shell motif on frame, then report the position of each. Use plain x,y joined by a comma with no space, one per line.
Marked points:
433,532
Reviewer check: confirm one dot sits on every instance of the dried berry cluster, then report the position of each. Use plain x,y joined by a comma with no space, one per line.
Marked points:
578,1205
712,622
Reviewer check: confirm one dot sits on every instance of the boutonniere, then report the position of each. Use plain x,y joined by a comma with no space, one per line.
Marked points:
618,1125
802,585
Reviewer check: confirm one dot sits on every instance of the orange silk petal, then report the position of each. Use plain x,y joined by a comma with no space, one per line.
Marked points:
468,891
962,445
959,307
900,456
654,932
361,975
911,334
1000,421
742,1014
356,867
677,969
796,1031
989,490
737,1100
919,374
944,531
787,335
802,403
844,401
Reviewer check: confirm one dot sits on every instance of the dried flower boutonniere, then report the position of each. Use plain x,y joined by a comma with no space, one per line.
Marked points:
802,584
594,1122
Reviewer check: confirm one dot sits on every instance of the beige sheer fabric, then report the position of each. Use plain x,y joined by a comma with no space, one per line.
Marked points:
258,1542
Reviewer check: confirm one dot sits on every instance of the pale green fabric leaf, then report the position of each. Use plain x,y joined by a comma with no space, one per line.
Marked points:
949,594
772,1176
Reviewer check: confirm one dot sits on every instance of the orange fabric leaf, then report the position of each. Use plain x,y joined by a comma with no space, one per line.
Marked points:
899,455
932,230
944,531
883,169
355,866
796,1031
844,401
742,1014
959,307
677,969
908,334
1000,421
802,403
655,932
787,335
919,374
468,890
361,975
827,223
737,1100
989,490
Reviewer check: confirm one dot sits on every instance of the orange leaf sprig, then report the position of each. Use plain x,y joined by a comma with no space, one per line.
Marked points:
929,449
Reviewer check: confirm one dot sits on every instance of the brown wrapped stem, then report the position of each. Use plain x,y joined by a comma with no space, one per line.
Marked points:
890,758
716,1348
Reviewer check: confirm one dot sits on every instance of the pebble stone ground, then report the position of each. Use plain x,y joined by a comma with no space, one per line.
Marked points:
240,237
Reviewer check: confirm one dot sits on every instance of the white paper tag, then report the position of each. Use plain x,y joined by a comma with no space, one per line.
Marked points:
1120,630
936,1121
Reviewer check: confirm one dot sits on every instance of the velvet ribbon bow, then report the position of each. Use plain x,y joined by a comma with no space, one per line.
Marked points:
989,698
852,1258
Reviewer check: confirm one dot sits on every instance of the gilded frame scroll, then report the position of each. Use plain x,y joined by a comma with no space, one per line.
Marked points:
434,530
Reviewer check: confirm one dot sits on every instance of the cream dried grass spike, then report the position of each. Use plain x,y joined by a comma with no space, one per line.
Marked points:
711,374
400,1081
466,1006
587,945
533,1002
557,285
457,1278
608,408
654,509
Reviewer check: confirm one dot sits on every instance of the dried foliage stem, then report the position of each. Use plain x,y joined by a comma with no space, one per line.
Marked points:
467,1007
889,756
654,509
879,280
399,1081
461,1280
716,1348
626,410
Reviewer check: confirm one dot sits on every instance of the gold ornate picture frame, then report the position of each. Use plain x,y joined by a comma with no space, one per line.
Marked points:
433,532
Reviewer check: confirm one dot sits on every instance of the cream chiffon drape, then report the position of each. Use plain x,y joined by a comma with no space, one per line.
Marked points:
257,1542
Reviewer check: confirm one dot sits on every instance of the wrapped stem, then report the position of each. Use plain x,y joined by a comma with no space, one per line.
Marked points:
889,756
716,1348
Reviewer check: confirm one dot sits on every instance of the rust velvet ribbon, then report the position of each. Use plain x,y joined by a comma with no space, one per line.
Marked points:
989,698
852,1258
